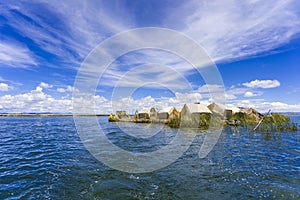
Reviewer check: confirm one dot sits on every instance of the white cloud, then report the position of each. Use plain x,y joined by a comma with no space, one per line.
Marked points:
149,75
39,101
66,89
219,92
5,87
251,94
211,88
283,107
237,29
264,106
2,79
66,33
10,82
61,90
262,84
236,91
70,88
35,101
227,30
38,89
214,92
229,96
16,55
45,85
188,97
130,105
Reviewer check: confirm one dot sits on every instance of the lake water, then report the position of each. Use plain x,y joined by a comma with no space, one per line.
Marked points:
44,158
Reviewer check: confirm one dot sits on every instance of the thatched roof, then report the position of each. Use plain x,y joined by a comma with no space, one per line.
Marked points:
217,108
168,110
145,110
248,111
197,108
233,108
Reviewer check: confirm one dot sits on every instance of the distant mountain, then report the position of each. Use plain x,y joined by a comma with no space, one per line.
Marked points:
290,113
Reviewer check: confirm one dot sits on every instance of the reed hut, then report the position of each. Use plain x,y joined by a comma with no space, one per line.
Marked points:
195,115
251,112
217,109
147,113
122,114
248,116
230,110
168,113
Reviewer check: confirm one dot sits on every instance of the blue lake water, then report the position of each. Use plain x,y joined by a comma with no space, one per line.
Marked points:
44,158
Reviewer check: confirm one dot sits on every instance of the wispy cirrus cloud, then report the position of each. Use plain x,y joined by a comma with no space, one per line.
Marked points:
13,54
227,30
67,30
233,30
60,34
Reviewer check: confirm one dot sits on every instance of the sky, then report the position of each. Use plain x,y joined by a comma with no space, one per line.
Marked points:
254,44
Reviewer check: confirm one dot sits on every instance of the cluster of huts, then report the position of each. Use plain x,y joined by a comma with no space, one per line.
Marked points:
189,111
152,114
171,112
199,116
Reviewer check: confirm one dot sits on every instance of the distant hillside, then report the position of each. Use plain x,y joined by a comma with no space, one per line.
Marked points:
291,113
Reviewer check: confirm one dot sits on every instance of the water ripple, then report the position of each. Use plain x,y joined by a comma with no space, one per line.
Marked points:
43,158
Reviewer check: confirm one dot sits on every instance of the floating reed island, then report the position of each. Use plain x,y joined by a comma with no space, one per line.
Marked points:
200,116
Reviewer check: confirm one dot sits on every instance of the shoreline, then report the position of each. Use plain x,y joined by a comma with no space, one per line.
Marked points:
70,114
48,115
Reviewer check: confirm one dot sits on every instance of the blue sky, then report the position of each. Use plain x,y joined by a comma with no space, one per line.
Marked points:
255,45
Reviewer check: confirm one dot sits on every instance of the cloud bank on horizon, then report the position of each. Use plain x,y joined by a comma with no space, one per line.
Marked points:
42,45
